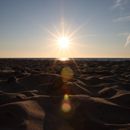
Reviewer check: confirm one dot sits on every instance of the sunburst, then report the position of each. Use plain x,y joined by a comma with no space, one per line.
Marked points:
64,39
63,42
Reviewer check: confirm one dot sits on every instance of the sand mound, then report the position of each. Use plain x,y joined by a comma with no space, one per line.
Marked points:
122,99
22,115
107,92
34,96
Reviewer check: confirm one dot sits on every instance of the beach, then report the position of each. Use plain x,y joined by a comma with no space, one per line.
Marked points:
50,94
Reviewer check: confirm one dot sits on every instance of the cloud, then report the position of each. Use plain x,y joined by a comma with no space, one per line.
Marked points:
122,19
123,34
127,40
119,4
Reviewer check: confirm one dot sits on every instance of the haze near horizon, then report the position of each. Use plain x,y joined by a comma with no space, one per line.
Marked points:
64,28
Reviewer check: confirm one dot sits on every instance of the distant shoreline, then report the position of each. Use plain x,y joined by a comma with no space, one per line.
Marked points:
82,59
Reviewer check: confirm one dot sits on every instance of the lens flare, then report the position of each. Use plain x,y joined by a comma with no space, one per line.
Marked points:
67,73
66,97
66,105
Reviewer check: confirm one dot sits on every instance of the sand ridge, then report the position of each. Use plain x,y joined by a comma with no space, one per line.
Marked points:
32,93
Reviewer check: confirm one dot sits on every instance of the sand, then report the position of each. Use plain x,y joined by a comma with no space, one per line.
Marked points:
40,94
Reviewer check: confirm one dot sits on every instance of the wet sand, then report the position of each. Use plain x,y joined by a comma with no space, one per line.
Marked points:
70,95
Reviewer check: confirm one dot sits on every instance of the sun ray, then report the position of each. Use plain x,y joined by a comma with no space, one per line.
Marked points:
76,30
51,33
73,60
63,39
57,31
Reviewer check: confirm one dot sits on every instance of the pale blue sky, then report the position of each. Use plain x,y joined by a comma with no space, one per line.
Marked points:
105,30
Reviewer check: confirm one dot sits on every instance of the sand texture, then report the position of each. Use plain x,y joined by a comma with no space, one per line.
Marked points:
69,95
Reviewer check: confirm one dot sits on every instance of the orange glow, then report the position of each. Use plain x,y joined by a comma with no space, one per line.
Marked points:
66,105
64,59
67,73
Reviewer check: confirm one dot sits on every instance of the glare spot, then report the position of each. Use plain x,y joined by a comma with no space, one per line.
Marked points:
67,73
63,42
66,97
66,105
63,59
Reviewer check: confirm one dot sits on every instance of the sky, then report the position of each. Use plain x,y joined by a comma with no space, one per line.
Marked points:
30,28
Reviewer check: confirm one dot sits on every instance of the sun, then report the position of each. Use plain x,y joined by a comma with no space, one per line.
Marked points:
63,42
